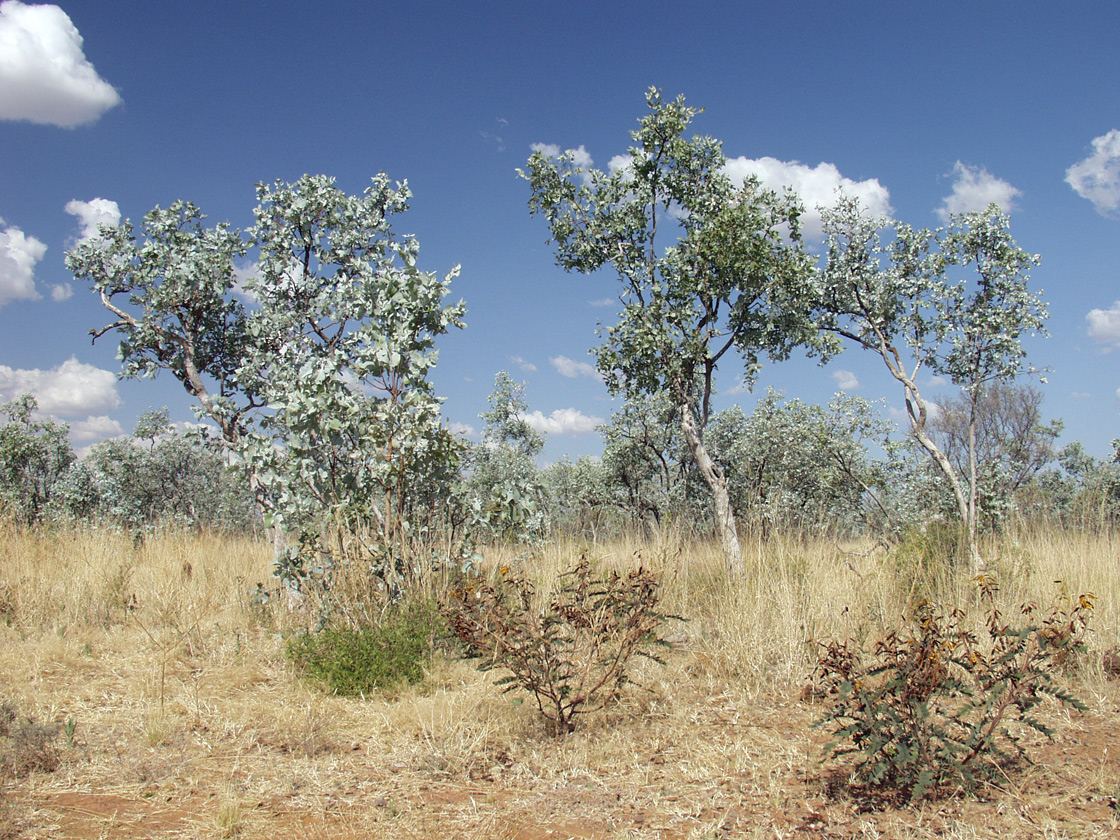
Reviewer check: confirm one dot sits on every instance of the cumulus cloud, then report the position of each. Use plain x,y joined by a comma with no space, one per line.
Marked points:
817,186
464,429
974,188
619,162
241,273
563,421
549,150
92,214
580,157
527,367
1104,324
19,254
44,74
61,292
93,429
1097,178
73,389
572,369
845,380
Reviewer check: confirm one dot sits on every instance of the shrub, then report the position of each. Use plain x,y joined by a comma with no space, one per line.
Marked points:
935,704
573,655
356,661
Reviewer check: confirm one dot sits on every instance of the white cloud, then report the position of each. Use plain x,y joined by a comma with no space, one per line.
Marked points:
1104,324
61,292
527,367
93,429
242,272
44,74
18,256
563,421
580,157
549,150
1097,178
619,162
603,302
463,429
571,368
974,188
845,380
818,186
73,389
92,214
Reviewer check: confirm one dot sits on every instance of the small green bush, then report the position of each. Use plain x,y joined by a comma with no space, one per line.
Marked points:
574,655
935,705
358,661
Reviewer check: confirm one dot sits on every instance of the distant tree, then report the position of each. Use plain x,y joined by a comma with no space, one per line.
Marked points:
1002,429
911,303
34,455
805,467
731,278
646,462
579,498
502,488
161,476
1084,492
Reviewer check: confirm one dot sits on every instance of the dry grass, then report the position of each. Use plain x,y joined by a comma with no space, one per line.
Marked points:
190,722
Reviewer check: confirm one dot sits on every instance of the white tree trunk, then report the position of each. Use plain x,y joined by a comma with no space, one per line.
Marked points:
721,498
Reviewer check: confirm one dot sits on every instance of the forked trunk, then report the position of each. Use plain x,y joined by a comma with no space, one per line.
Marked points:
721,498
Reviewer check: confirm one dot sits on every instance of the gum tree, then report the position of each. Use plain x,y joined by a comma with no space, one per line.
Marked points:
35,454
706,269
341,344
319,384
955,302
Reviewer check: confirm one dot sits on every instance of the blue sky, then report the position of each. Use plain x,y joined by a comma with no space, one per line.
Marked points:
922,107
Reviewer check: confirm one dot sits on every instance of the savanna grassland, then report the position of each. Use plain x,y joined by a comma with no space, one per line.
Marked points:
146,693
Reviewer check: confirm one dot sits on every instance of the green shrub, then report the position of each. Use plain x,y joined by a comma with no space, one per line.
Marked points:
357,661
573,656
936,705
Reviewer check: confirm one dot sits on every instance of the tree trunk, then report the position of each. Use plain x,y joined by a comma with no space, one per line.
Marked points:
721,498
976,562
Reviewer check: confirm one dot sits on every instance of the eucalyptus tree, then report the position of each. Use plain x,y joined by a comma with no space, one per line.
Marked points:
319,384
1001,429
161,476
795,464
341,343
502,488
912,302
170,290
705,268
646,464
35,454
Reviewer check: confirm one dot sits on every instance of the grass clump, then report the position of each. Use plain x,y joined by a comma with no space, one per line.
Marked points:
935,704
356,661
27,746
572,655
